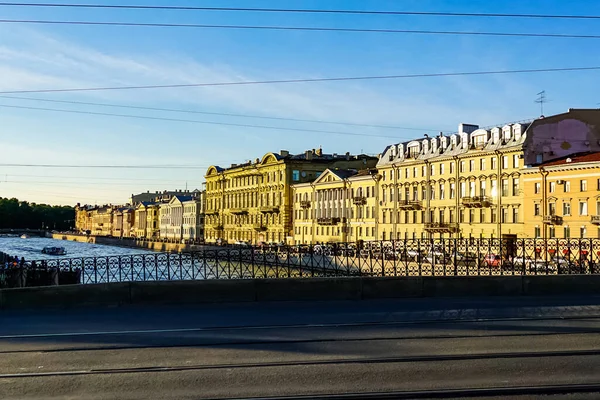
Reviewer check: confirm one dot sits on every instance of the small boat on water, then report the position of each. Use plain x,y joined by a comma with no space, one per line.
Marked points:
24,236
54,251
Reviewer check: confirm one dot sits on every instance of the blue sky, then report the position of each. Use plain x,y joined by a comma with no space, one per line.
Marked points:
44,56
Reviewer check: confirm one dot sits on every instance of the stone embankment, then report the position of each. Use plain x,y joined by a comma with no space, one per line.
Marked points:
131,243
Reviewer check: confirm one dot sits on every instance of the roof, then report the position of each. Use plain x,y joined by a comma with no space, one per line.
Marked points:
574,159
343,173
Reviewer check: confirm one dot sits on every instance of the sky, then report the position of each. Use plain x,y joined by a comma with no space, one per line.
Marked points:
36,57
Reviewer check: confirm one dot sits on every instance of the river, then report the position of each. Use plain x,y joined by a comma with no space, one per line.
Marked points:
31,248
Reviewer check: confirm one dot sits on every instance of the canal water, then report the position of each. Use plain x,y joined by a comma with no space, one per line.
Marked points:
31,248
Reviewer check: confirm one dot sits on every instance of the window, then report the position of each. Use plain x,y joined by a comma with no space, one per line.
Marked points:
537,232
383,218
583,185
391,194
482,188
583,209
442,169
383,195
442,191
515,215
452,190
482,164
515,187
567,186
407,173
383,175
566,232
432,192
516,161
295,175
452,171
432,170
414,172
552,187
471,215
566,208
462,166
494,163
504,215
536,209
494,190
504,187
451,216
494,216
598,187
537,187
552,208
551,232
504,162
471,165
463,189
423,170
423,193
461,216
583,232
482,215
472,189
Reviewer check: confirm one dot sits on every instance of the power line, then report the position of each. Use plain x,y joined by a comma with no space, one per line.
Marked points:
197,122
87,178
307,80
222,114
299,28
305,11
106,166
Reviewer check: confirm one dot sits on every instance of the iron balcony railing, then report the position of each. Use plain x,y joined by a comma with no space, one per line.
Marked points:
359,200
269,209
329,221
409,204
553,220
595,219
305,204
441,227
238,211
476,201
439,257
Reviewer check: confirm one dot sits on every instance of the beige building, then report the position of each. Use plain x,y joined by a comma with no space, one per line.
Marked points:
252,202
562,198
339,206
193,218
469,184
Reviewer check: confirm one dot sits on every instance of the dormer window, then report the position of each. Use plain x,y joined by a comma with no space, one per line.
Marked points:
479,141
506,134
517,131
413,151
496,135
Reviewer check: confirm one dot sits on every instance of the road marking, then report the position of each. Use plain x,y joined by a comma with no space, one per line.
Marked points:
297,326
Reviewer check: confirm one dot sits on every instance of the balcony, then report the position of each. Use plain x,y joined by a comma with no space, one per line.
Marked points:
476,201
269,209
305,204
409,204
441,227
595,219
238,211
259,227
330,221
359,200
553,220
211,212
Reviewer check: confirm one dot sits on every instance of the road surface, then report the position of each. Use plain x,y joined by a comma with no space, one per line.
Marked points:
422,348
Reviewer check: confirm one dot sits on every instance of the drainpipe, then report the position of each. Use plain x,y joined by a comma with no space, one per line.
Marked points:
314,213
457,195
377,179
544,174
428,197
499,191
396,194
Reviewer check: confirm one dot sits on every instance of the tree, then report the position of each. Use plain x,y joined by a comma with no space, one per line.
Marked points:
15,214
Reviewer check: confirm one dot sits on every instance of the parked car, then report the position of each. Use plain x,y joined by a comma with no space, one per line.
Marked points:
492,261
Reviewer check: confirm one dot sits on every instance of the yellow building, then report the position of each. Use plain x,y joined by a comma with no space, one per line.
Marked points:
469,184
83,218
339,206
562,198
152,221
252,202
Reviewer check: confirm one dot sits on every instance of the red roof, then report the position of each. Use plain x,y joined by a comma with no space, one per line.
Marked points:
575,158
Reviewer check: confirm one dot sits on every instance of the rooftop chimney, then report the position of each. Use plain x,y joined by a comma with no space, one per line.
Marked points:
347,156
320,151
284,153
309,155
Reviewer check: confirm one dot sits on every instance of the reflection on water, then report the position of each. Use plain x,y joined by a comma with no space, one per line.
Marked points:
31,248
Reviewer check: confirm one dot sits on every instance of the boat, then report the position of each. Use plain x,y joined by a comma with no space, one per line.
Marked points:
24,236
54,251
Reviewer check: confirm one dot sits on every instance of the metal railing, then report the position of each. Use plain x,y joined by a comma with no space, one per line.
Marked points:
439,257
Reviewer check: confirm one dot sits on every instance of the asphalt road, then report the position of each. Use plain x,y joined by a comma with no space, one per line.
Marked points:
498,348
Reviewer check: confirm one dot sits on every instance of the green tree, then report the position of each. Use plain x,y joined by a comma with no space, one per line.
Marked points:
15,214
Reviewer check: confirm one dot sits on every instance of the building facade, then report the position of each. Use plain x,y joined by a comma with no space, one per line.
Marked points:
562,198
469,184
252,202
339,206
193,218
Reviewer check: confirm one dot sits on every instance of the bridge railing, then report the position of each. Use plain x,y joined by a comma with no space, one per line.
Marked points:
440,257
